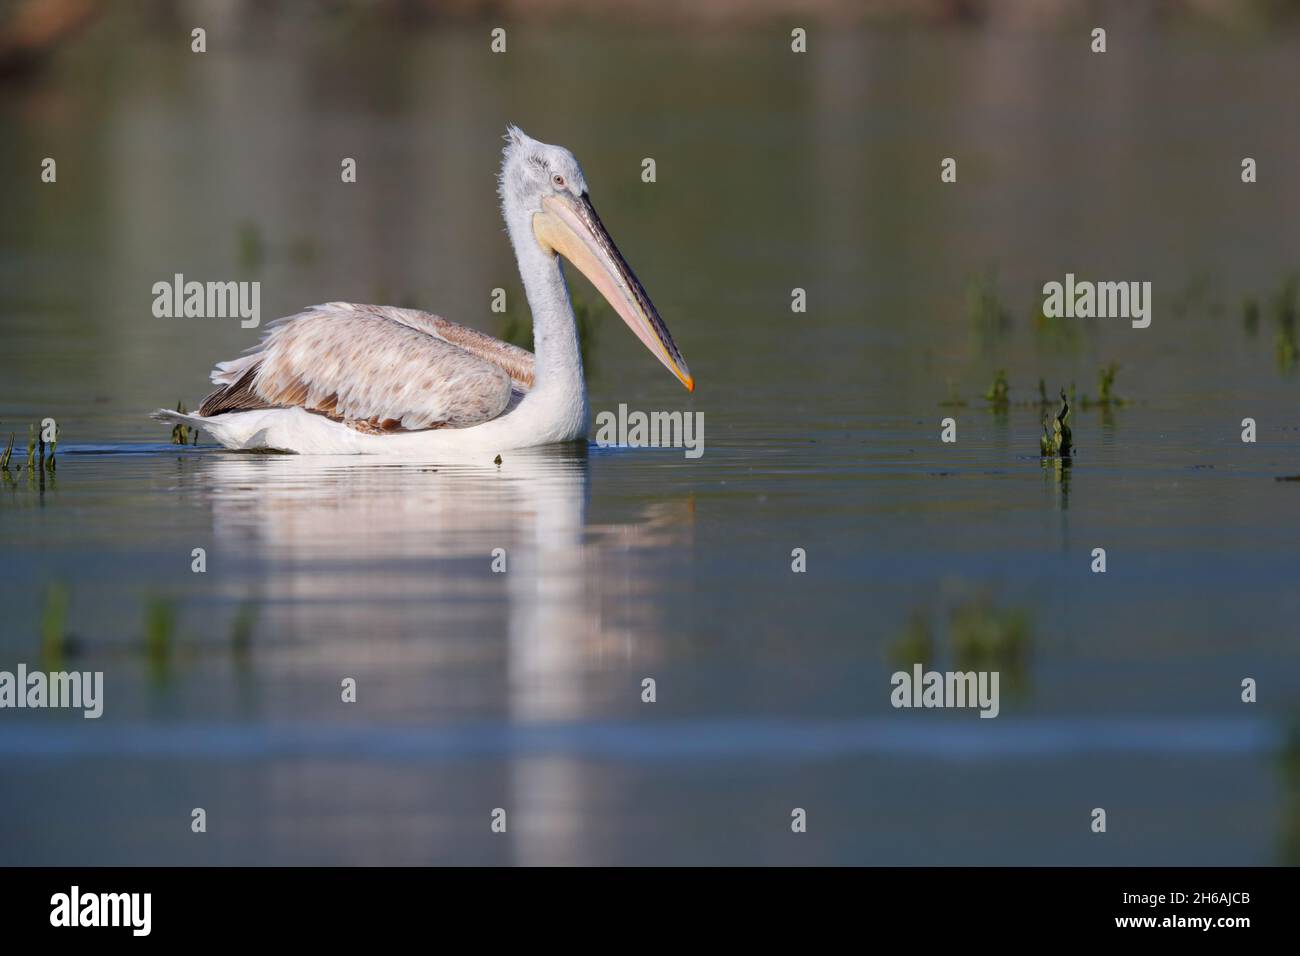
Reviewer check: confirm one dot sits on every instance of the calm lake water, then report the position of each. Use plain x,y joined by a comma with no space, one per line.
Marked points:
522,690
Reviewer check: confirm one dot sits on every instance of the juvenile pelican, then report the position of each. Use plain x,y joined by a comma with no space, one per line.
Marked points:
368,379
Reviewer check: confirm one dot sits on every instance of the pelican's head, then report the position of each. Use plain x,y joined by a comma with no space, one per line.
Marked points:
546,183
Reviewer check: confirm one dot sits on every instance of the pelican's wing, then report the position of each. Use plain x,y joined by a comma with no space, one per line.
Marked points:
374,367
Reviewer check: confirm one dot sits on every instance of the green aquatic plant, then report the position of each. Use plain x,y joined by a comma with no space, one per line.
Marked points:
1105,382
915,645
1105,388
981,636
985,637
40,454
1061,431
181,431
52,446
159,632
998,394
1057,440
1285,310
1057,472
54,624
1287,350
1285,314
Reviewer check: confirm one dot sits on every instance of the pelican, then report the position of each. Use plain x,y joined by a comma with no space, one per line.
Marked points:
341,378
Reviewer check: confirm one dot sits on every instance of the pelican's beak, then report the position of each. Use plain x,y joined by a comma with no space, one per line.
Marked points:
569,225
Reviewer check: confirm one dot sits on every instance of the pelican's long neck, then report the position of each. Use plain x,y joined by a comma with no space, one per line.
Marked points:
558,358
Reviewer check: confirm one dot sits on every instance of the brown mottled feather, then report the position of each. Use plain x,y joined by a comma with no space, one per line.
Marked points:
376,368
238,396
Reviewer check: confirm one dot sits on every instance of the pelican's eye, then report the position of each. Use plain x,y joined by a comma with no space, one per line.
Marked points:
558,181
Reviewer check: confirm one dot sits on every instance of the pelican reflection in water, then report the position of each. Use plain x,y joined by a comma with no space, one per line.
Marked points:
360,570
341,378
337,549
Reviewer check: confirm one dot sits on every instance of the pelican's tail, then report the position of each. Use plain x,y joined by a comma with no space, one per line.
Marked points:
179,418
272,429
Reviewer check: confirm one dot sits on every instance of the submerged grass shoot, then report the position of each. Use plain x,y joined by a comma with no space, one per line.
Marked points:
52,447
916,645
998,394
1106,397
54,624
985,637
181,431
1285,313
980,637
159,632
40,454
